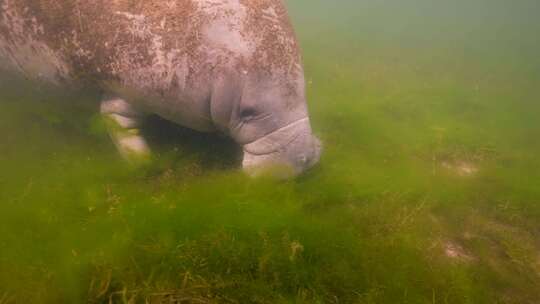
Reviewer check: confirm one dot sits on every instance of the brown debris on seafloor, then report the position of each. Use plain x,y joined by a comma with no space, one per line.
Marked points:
457,252
461,168
449,248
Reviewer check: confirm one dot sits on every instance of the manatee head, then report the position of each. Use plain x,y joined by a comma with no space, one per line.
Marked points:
285,152
259,94
268,116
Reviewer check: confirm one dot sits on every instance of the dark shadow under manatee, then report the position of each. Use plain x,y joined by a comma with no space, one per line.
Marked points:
176,143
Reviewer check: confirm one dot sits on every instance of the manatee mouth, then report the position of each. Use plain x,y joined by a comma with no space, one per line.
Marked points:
278,140
289,150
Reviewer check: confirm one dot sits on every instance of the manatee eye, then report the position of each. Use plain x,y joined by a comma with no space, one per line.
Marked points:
248,113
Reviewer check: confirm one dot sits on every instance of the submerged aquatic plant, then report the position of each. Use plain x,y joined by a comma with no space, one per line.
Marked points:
427,192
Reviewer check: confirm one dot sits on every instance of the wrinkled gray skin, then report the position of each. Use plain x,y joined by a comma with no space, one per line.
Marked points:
211,65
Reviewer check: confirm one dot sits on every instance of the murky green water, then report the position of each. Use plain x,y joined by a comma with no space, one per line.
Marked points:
428,190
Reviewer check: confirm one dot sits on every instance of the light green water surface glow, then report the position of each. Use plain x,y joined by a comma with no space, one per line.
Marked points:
428,190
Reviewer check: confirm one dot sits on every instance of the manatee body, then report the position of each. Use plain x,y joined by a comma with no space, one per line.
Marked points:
231,66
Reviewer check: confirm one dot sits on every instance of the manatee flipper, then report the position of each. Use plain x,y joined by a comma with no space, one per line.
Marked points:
123,123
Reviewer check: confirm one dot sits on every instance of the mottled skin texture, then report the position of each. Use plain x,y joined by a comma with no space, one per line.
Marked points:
212,65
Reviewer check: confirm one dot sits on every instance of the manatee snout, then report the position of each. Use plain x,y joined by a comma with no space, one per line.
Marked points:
285,153
304,153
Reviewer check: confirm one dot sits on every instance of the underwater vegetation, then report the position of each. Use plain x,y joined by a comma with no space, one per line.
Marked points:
427,192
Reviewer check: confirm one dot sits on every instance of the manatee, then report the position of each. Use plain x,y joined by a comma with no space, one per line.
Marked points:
229,66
